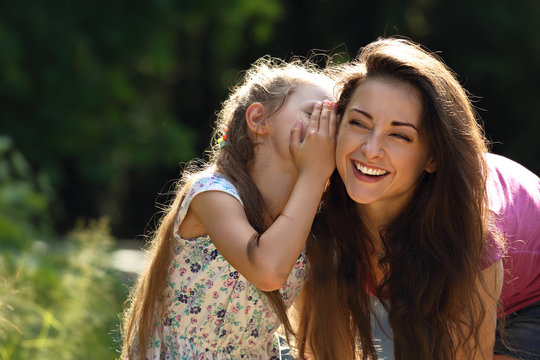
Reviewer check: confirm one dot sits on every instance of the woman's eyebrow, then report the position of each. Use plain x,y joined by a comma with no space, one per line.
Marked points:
365,113
394,123
400,123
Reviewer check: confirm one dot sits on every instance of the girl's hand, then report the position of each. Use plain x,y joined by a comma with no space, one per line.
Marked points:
316,154
266,259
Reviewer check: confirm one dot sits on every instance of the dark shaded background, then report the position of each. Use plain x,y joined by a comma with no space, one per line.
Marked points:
105,99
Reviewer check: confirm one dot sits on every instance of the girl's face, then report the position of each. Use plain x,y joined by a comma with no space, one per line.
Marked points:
297,107
380,151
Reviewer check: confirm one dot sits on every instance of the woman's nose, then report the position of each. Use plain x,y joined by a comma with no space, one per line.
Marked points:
372,147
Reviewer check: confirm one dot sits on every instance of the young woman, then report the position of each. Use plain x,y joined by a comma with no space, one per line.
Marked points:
405,219
227,258
514,204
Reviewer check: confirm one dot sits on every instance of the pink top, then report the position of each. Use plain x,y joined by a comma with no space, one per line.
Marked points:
514,200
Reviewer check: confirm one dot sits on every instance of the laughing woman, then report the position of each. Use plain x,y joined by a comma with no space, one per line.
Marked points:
406,217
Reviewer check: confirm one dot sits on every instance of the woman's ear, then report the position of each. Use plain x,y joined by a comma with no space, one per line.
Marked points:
255,119
431,165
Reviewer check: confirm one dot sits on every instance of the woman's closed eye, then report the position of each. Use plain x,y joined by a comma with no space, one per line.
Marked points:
401,137
358,123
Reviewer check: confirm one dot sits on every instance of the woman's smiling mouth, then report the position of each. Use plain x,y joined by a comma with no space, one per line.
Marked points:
368,171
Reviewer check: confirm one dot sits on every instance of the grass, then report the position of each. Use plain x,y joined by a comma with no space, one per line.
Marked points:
61,299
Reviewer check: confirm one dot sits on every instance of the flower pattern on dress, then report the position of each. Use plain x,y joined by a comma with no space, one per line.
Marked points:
212,311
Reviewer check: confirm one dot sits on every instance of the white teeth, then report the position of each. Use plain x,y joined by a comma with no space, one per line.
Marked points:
369,171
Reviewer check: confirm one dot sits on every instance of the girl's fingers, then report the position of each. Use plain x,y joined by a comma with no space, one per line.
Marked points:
313,124
332,126
325,114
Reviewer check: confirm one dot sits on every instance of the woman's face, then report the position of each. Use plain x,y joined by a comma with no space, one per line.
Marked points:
380,151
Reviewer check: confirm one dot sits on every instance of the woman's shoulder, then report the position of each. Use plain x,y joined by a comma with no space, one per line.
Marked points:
510,179
513,193
513,190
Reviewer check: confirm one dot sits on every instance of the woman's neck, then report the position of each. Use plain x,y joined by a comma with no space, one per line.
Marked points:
374,222
375,219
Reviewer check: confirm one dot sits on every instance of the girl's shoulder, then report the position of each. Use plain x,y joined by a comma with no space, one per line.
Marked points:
208,180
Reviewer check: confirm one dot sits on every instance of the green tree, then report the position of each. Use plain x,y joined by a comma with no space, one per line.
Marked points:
100,95
108,98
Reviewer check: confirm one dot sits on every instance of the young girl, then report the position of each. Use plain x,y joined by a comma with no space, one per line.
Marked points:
219,275
404,221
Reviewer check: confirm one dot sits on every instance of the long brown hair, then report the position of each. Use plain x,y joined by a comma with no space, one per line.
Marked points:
268,81
432,249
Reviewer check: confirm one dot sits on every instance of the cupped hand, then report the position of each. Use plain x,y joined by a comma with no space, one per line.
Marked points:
315,154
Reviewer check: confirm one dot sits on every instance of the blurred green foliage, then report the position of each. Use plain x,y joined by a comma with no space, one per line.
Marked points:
88,89
105,99
59,296
24,200
61,300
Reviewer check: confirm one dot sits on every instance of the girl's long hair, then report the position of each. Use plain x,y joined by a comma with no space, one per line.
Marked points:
268,81
433,248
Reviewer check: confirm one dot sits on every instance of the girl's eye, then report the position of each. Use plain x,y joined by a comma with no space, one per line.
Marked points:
402,137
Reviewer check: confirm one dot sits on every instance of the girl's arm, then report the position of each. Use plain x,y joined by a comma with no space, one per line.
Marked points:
267,259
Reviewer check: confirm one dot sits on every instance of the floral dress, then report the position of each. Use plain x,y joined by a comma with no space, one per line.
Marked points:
212,311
